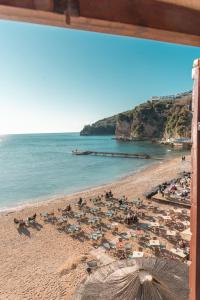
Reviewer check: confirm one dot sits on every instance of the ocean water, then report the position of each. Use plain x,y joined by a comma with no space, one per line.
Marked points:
35,167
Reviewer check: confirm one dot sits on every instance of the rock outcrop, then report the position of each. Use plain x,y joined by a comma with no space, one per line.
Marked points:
106,126
159,118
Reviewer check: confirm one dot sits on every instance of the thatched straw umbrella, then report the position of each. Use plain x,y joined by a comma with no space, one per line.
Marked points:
138,279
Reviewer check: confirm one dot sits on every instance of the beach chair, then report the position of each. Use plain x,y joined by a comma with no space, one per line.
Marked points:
44,214
49,218
128,249
109,213
60,222
32,219
73,229
124,236
96,235
106,246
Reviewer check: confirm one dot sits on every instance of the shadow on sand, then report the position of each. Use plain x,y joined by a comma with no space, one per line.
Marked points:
24,230
36,226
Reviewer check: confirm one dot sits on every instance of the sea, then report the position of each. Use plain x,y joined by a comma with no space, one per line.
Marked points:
36,167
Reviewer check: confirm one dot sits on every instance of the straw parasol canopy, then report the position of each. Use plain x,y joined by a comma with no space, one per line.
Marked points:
137,279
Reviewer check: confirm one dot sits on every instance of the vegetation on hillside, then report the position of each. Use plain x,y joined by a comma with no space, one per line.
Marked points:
106,126
164,117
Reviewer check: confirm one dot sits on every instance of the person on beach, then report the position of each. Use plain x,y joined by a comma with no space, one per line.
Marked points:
124,198
130,218
120,202
68,208
135,219
80,201
110,194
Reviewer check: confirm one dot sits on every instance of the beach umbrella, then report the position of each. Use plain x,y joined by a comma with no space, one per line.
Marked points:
120,245
137,279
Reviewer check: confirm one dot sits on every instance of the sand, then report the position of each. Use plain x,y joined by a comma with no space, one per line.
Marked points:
42,263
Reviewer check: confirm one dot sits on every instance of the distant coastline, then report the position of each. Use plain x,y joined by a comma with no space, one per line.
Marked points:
159,118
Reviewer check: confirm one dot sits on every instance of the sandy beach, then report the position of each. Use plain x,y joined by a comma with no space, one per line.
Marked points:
45,264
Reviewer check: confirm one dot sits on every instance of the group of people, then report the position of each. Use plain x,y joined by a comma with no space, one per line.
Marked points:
131,218
109,195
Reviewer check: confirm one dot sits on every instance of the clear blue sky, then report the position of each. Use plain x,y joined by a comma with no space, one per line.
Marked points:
57,80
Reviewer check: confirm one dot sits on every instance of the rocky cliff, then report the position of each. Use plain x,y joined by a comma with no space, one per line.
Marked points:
103,127
158,118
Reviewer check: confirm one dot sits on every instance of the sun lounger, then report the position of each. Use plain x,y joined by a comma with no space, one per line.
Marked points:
106,246
137,254
109,213
124,236
31,219
123,207
96,235
154,243
94,210
128,246
44,214
73,229
178,252
79,215
94,220
61,220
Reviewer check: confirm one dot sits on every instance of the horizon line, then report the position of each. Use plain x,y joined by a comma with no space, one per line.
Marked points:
24,133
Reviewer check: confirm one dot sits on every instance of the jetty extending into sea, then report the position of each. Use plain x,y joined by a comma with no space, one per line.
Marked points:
112,154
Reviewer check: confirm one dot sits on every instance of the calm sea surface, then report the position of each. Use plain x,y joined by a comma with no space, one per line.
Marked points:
34,167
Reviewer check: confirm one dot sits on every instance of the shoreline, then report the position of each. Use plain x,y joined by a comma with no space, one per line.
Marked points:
55,200
40,201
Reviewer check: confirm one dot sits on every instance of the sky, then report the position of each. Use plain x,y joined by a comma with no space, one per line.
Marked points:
58,80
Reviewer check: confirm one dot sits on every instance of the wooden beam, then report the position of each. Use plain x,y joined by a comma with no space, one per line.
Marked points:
152,19
146,13
161,20
195,194
46,5
32,16
116,28
185,3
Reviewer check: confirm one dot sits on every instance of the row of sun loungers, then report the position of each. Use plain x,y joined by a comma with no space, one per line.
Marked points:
104,218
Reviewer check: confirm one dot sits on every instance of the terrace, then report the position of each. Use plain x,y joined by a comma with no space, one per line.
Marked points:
160,20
